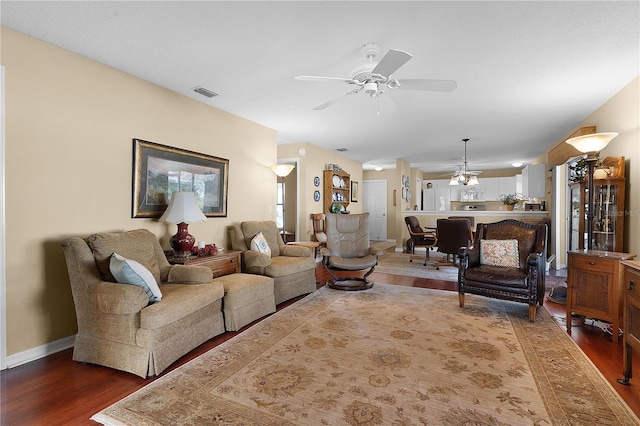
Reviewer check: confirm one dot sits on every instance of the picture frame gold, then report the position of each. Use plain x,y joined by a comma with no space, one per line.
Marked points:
159,170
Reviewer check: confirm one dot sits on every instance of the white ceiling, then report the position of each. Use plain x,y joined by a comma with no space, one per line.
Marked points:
528,73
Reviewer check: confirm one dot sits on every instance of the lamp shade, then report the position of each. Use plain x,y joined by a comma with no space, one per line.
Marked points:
282,170
183,208
593,142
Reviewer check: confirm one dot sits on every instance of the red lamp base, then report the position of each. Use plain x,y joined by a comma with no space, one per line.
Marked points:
182,242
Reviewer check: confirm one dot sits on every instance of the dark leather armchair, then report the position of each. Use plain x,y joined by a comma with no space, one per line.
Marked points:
524,283
419,237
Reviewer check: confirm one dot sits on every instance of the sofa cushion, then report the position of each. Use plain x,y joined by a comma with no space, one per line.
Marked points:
284,265
178,301
492,276
137,245
499,253
259,244
268,228
127,271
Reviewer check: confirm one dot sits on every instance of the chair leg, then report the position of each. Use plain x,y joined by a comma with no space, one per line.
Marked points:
532,313
461,299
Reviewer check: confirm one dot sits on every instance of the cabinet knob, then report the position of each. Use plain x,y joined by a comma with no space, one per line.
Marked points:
592,263
631,285
232,260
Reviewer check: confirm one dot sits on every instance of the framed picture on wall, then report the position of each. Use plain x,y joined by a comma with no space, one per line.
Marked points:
354,192
160,170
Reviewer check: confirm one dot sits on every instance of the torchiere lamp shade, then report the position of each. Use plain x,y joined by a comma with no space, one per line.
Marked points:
182,210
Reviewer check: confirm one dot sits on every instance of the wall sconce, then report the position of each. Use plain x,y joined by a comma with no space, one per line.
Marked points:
591,144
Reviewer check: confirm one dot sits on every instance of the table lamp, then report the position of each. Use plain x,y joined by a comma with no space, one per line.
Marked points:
591,144
182,210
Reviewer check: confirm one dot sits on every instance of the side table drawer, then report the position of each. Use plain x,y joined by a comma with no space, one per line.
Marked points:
632,276
225,263
593,264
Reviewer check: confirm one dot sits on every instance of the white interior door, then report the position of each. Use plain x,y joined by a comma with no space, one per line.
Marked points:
374,198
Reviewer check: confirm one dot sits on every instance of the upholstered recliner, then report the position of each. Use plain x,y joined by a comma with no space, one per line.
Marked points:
349,249
118,327
292,267
522,282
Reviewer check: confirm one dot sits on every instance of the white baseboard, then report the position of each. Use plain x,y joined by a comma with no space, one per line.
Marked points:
40,352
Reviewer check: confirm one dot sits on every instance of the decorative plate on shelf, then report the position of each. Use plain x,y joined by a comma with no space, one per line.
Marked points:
336,181
316,195
316,181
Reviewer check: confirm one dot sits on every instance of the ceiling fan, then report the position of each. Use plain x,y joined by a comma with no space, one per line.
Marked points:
375,77
464,176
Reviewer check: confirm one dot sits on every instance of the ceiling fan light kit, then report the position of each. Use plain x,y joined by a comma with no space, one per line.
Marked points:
374,76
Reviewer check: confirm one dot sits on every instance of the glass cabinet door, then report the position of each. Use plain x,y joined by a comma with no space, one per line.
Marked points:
605,200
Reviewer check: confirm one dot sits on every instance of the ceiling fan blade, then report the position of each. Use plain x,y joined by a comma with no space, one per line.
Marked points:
319,78
428,85
334,100
393,60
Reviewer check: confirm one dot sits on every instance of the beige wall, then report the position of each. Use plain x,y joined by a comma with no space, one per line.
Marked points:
622,114
312,162
69,128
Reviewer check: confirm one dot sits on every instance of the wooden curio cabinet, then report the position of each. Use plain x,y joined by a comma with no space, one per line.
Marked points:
608,220
337,189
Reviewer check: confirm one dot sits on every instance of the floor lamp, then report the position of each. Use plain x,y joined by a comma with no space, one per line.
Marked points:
591,144
282,171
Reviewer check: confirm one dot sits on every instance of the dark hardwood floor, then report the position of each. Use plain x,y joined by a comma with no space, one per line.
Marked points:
58,391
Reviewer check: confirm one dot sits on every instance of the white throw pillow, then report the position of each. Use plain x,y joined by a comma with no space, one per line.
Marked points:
127,271
499,253
259,244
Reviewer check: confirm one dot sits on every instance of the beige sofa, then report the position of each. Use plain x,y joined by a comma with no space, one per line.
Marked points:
292,267
117,325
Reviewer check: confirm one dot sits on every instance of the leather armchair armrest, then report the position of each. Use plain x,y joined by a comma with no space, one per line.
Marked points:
533,259
472,254
122,299
183,274
295,251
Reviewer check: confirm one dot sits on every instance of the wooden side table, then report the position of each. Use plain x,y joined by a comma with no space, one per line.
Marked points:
595,286
313,245
631,325
222,263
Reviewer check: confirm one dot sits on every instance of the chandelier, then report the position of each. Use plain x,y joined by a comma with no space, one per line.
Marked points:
464,176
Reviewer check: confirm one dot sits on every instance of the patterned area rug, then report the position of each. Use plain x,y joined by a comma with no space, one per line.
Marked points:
391,355
397,263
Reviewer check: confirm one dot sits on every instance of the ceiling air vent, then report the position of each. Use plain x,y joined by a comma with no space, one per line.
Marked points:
205,92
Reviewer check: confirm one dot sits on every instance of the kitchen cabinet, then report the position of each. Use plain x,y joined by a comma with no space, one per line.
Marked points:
608,221
534,180
595,286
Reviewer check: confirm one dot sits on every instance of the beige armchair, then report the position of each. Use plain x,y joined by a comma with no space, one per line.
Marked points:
292,267
349,249
118,327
